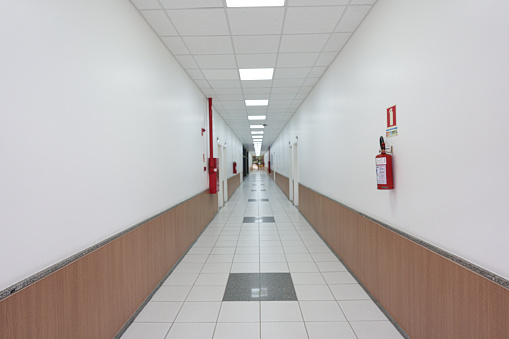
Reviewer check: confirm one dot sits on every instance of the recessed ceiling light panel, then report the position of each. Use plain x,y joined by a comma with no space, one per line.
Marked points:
256,117
257,132
257,102
256,126
255,3
256,73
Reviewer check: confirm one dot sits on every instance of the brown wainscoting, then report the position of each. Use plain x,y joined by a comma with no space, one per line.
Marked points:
427,294
233,184
94,296
283,183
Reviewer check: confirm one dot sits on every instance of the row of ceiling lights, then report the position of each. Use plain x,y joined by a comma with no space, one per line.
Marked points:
256,74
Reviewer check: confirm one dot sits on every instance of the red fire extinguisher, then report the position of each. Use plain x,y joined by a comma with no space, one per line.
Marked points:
384,178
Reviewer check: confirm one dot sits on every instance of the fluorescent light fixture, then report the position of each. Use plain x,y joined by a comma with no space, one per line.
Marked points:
257,136
256,132
257,102
255,3
256,117
256,73
256,126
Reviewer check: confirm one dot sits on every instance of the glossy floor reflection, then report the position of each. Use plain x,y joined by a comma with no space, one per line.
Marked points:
260,271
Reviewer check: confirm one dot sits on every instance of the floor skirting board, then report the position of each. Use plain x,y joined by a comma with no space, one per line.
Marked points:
429,294
94,295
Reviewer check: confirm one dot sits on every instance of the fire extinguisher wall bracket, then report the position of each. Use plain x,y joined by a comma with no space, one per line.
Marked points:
384,173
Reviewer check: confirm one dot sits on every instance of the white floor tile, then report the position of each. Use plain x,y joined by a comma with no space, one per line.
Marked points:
375,330
331,330
272,257
206,293
212,279
200,250
274,267
216,268
246,258
283,330
146,330
348,292
171,293
307,279
220,258
195,258
240,311
198,312
247,250
159,312
183,279
280,311
223,250
327,266
191,330
245,267
360,310
326,310
272,250
237,330
313,292
307,267
188,268
333,278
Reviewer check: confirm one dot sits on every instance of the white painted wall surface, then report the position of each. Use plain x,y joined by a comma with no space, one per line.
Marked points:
233,150
100,128
445,65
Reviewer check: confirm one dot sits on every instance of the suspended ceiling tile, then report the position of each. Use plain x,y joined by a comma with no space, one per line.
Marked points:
256,44
208,92
317,2
195,74
306,20
282,96
234,104
303,42
263,90
291,73
146,4
256,60
317,72
305,89
159,22
200,21
256,21
287,82
257,83
225,83
186,61
221,91
209,44
221,74
175,45
203,84
256,96
325,58
181,4
336,42
363,2
352,18
285,90
296,59
216,61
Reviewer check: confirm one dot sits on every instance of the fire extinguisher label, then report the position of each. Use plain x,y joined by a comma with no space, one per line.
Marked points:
381,175
381,161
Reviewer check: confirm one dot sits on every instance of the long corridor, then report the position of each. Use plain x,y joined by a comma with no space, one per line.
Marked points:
259,270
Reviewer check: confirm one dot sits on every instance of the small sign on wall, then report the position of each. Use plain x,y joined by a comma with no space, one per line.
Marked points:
392,127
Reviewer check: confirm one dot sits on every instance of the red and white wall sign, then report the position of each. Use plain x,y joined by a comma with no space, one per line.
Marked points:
392,127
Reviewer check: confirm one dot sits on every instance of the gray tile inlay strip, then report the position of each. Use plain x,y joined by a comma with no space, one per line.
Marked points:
44,273
460,261
258,219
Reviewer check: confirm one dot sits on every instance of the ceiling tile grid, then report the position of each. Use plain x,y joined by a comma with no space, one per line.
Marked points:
212,42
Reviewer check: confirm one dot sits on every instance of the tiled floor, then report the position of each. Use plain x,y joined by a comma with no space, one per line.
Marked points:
260,271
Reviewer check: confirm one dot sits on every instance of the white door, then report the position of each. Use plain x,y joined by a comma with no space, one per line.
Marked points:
290,179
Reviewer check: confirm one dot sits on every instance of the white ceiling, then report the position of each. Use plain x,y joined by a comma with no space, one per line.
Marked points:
212,42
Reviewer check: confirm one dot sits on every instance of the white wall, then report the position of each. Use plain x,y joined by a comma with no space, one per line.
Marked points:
233,150
444,64
100,128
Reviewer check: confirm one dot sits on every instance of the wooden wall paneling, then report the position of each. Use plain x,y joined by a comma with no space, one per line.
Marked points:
95,295
233,184
428,295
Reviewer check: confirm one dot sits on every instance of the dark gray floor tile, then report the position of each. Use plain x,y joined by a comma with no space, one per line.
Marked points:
242,287
259,286
264,199
279,287
266,219
249,219
251,200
